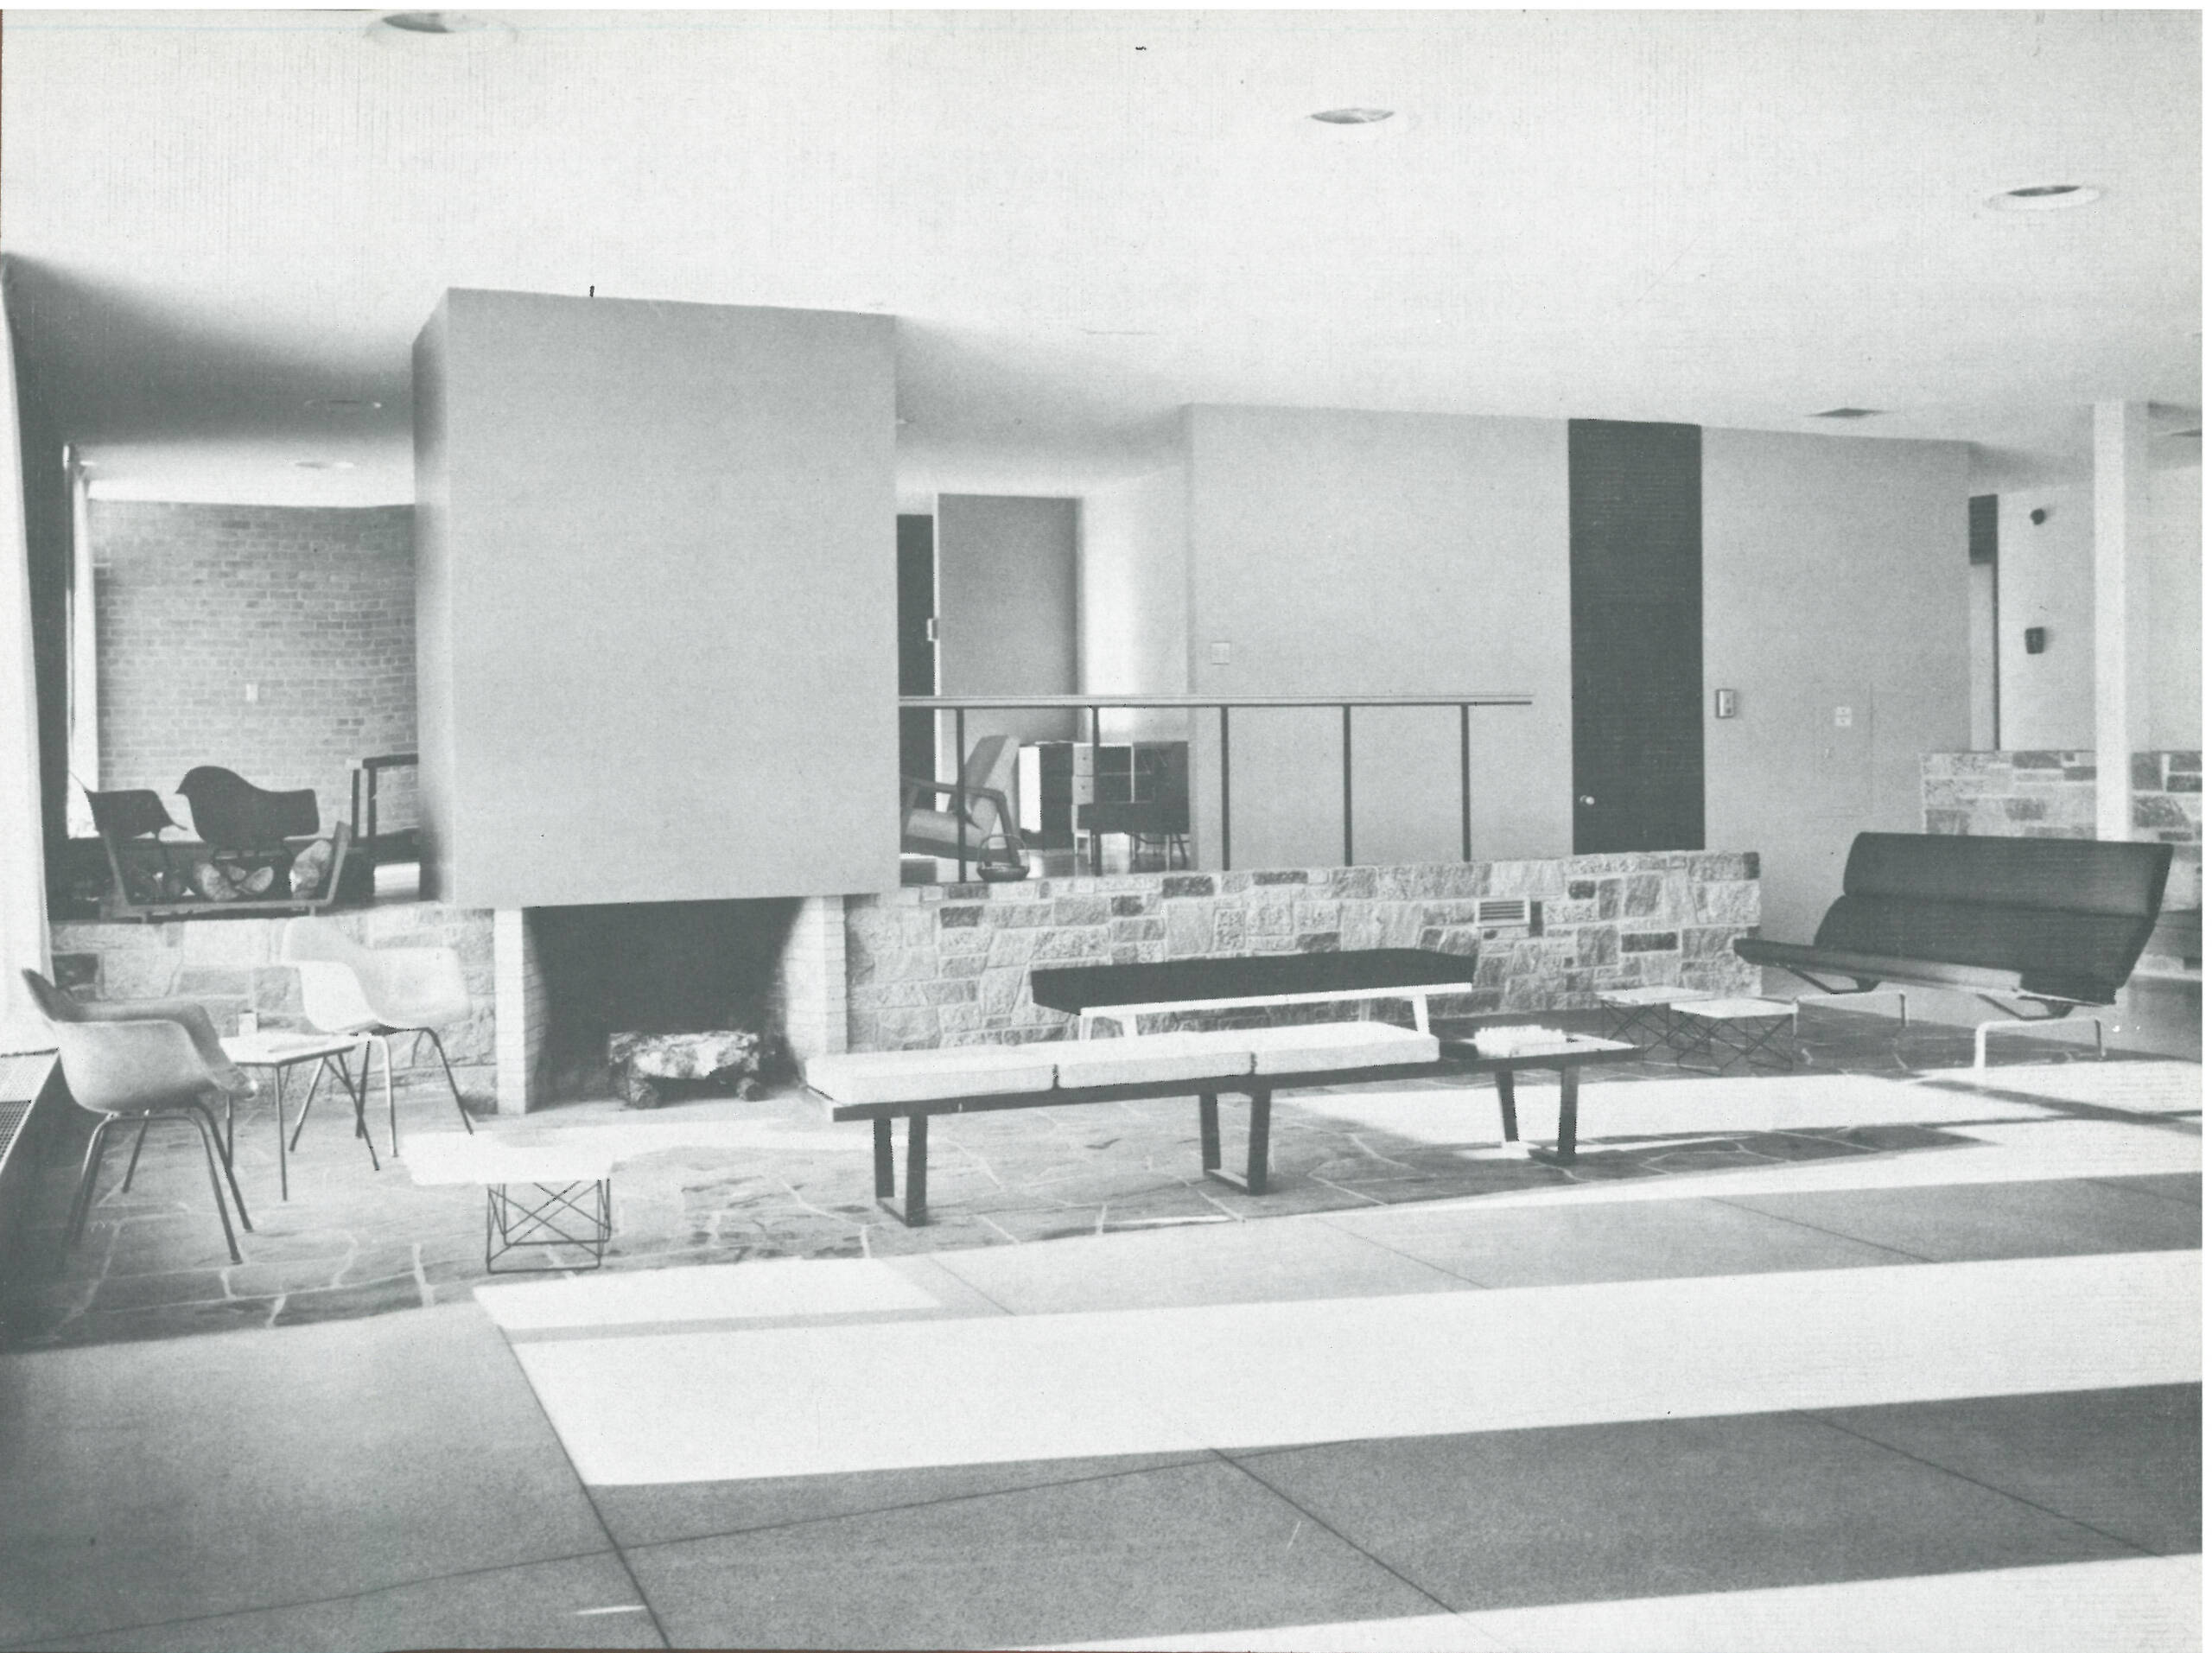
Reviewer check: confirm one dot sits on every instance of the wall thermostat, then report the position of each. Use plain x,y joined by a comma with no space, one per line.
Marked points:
1724,702
2036,640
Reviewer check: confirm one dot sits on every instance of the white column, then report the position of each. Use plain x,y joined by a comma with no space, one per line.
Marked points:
2121,450
84,655
23,833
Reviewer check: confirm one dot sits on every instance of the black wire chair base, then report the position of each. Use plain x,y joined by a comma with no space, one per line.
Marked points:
557,1216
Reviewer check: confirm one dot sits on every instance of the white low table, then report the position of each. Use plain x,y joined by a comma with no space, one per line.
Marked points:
1738,1030
1648,1008
554,1195
281,1052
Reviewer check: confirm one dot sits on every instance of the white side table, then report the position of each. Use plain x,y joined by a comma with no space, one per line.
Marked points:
1739,1030
280,1053
555,1195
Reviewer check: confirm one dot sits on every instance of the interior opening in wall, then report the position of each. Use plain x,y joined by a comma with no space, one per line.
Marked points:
1986,710
656,968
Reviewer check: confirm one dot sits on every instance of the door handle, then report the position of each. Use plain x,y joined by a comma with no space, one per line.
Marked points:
1586,801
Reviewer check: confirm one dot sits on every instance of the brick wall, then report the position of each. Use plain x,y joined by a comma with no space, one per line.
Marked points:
949,964
316,607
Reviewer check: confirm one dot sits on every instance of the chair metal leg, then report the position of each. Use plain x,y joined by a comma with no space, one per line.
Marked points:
205,1126
81,1205
391,1107
200,1113
136,1143
439,1046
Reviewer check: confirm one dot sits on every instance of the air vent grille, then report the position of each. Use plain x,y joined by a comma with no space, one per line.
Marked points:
1503,914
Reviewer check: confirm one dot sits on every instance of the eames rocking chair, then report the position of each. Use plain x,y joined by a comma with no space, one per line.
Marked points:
346,987
987,834
246,827
157,1059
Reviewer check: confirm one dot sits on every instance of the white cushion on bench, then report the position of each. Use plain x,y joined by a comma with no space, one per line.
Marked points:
1336,1045
924,1076
1147,1058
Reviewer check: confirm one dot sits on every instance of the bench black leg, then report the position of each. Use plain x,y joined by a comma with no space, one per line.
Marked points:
883,1183
1254,1179
1507,1117
1569,1096
917,1170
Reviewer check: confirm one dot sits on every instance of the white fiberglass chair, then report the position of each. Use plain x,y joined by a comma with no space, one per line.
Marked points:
346,987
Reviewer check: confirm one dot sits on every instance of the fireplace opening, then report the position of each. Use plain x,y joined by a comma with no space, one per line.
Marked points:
638,976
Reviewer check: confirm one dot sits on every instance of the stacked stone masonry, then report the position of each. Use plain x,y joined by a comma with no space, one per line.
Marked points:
950,964
232,964
2054,795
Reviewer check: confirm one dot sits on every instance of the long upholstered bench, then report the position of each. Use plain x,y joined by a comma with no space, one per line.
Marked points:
2052,925
1253,1062
1122,993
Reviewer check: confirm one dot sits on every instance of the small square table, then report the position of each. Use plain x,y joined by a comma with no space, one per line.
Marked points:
555,1194
1650,1009
281,1052
1725,1030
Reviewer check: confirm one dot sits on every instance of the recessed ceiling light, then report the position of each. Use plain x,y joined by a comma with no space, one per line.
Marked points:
323,464
438,30
1846,413
2044,197
1355,124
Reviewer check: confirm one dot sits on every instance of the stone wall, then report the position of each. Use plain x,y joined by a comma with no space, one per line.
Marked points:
230,964
314,608
2054,795
949,964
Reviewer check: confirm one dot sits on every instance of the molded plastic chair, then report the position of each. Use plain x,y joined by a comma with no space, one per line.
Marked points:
157,1059
246,827
993,841
346,987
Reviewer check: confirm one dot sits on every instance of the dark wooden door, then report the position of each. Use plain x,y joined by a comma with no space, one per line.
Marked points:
917,648
1635,561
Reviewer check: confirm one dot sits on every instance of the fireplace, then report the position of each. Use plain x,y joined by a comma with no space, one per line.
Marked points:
619,971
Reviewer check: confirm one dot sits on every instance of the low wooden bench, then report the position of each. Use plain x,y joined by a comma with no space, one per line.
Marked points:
2052,925
1122,993
1254,1063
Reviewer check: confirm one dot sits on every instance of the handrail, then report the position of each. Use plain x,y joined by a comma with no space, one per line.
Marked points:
961,705
1198,703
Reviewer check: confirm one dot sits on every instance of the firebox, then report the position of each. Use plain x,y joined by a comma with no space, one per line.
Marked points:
614,973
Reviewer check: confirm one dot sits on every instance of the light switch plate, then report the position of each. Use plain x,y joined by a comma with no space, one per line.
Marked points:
1724,702
1843,717
1219,654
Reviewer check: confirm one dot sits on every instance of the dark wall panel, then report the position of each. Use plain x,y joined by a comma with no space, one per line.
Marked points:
1635,554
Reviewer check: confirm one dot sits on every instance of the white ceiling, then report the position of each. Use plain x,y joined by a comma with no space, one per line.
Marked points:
1084,219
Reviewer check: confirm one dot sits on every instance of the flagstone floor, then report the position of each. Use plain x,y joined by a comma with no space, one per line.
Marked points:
718,1181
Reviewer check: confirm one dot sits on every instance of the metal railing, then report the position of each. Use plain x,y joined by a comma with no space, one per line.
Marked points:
961,705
